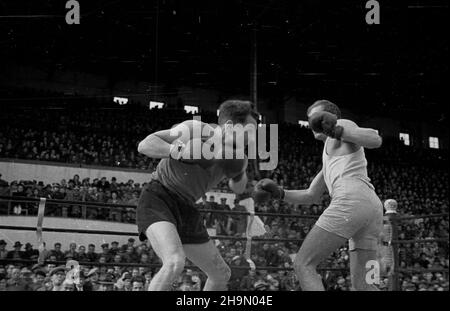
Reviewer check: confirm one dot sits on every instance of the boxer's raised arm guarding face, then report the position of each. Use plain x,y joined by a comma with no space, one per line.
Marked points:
160,144
326,123
364,137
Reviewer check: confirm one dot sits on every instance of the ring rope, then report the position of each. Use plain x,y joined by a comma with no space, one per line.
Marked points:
248,245
65,230
106,205
40,221
150,265
223,237
248,237
109,206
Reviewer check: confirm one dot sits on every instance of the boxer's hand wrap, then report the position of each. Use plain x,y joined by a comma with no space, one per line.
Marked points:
177,149
326,123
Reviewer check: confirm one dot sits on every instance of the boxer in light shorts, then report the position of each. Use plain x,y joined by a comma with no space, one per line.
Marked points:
355,212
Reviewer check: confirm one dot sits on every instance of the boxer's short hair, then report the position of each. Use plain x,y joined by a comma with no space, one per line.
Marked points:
237,111
326,106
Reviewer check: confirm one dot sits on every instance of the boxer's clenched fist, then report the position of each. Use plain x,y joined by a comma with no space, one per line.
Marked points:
265,190
325,122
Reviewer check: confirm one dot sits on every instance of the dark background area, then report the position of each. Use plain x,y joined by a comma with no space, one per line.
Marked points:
307,49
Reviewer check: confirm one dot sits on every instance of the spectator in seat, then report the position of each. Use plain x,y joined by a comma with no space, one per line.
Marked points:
117,258
114,186
130,255
58,193
38,281
223,206
130,243
33,207
125,283
31,253
130,215
148,279
423,261
17,282
105,252
212,205
144,259
76,180
103,184
17,253
91,255
57,253
115,212
241,220
82,255
3,251
3,282
72,252
58,275
91,284
114,250
18,206
68,286
268,254
248,280
237,274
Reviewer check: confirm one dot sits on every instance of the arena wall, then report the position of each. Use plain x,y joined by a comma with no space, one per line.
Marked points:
50,172
10,236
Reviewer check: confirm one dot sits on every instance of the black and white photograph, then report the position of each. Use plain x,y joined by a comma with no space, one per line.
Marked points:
225,147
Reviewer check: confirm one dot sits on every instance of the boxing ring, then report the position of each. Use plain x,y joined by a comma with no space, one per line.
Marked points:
392,221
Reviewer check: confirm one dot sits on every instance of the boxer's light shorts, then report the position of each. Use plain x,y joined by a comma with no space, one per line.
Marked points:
355,213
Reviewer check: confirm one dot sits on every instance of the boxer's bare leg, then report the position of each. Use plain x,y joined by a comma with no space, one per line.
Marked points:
166,243
358,270
318,245
207,257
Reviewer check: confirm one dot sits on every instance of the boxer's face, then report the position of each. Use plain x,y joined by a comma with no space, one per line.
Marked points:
250,123
318,136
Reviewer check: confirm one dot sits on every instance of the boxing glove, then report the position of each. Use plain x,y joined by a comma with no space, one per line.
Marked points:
265,190
326,123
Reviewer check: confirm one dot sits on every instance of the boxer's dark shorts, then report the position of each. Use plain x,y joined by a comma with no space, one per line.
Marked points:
157,203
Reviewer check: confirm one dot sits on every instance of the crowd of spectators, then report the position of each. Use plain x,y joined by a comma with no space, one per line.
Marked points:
412,176
131,267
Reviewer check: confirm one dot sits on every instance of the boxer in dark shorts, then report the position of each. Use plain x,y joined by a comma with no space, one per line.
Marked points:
166,214
158,203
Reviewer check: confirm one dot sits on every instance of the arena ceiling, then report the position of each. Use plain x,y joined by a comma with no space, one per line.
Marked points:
308,49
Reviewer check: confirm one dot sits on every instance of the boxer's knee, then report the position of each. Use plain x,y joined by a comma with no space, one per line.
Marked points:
303,262
174,265
221,274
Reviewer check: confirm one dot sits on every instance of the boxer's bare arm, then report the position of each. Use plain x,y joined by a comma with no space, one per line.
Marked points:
239,183
153,146
307,196
364,137
158,145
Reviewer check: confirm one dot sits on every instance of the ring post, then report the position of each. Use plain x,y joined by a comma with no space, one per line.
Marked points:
390,207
